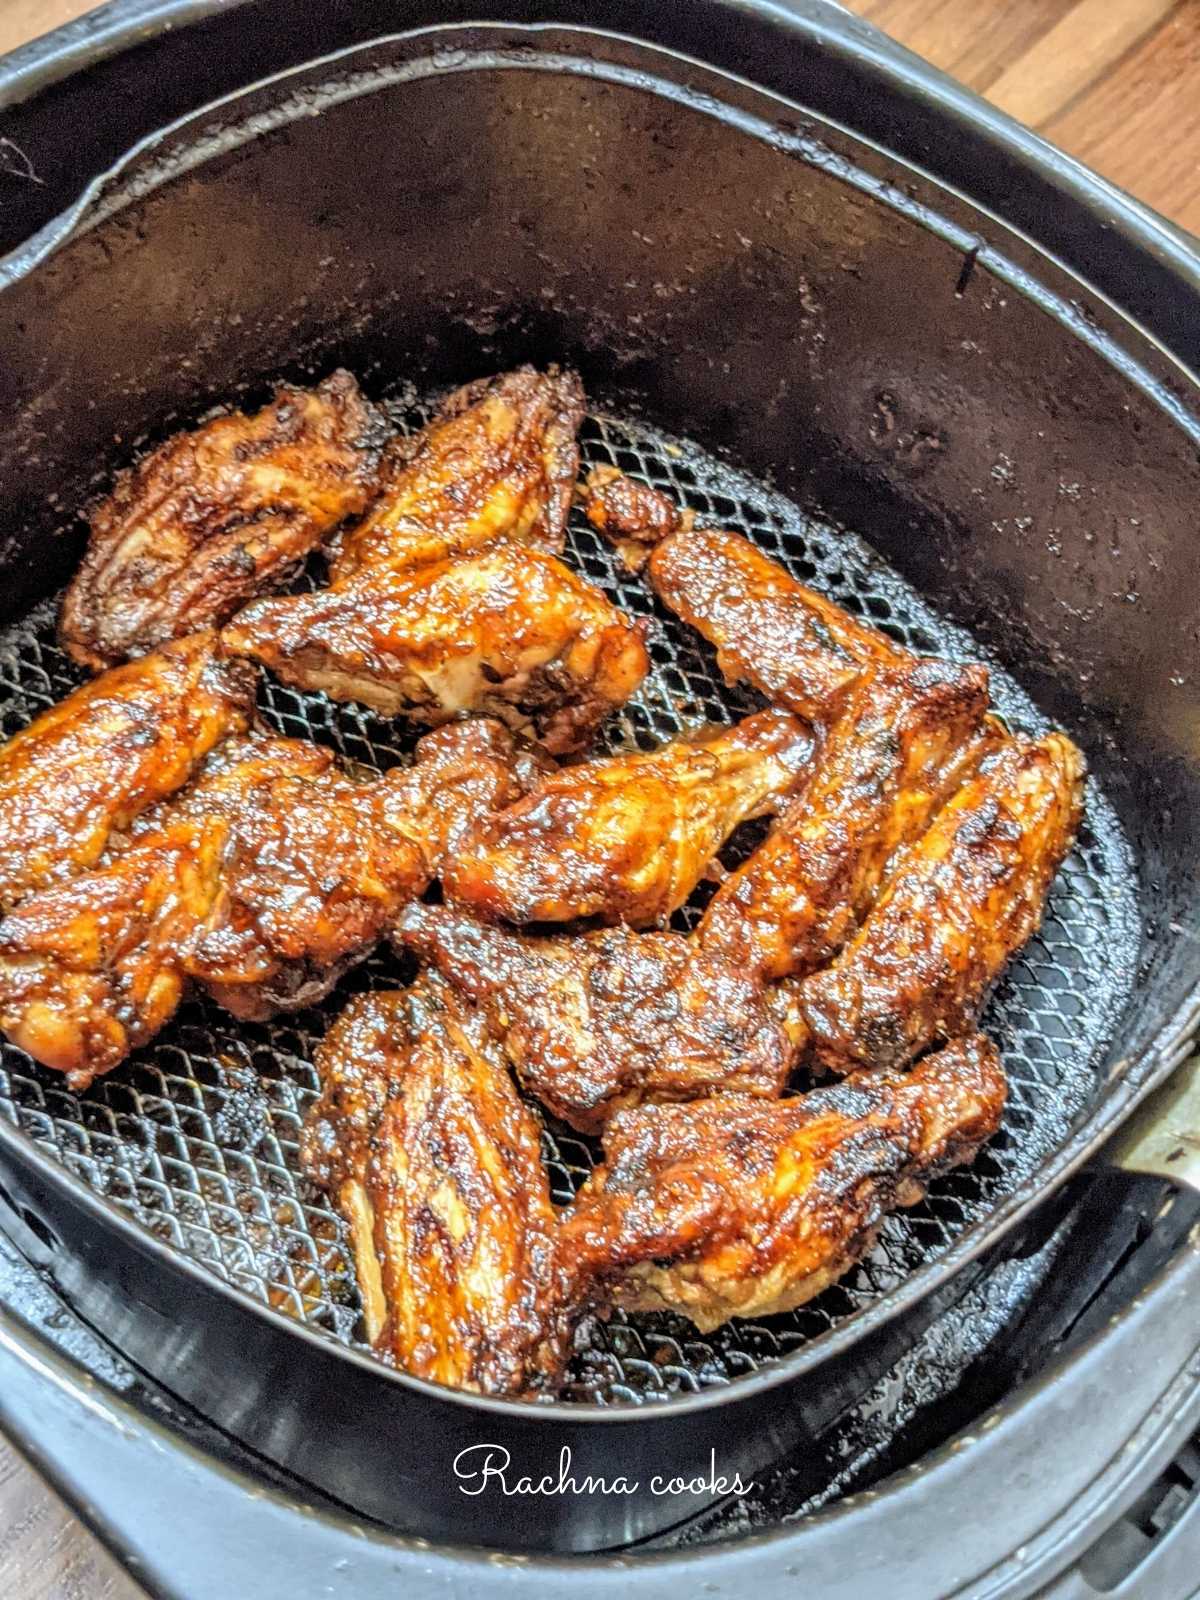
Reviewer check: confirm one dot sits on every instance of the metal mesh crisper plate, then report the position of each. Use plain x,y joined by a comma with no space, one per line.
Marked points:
197,1135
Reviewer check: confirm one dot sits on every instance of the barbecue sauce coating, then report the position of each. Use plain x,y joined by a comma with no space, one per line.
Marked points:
88,766
958,904
217,515
733,1207
628,838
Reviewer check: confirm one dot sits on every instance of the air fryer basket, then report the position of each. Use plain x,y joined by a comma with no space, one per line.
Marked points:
799,338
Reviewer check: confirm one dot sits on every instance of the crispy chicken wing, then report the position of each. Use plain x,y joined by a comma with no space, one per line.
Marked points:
960,901
216,515
903,744
499,461
735,1207
317,864
509,631
633,516
268,878
606,1019
627,839
91,968
449,1206
800,649
90,764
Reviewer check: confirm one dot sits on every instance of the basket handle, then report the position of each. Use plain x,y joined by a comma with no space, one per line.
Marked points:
1162,1137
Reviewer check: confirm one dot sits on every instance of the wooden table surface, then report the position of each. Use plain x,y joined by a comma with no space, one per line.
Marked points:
1115,82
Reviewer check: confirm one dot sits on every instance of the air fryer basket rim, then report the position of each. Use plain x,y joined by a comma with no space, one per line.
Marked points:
1110,1108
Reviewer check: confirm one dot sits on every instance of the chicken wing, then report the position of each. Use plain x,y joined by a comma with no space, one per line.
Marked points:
317,864
499,461
91,968
800,649
627,839
960,901
509,631
905,742
216,515
108,751
734,1207
264,882
453,1227
609,1018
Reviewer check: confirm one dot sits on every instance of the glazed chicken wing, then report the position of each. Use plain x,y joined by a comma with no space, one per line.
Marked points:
960,901
317,864
733,1207
453,1203
509,631
904,743
91,968
499,461
90,764
800,649
606,1019
627,839
268,878
216,515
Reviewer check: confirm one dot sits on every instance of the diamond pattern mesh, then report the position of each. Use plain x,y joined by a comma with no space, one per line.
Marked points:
197,1135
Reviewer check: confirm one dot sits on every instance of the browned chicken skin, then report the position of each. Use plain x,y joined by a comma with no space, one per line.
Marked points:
508,631
218,514
317,866
88,766
905,742
609,1018
959,903
499,461
90,969
264,881
735,1207
800,649
454,1231
627,839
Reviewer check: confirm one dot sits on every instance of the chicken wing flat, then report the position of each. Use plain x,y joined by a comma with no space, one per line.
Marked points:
508,631
627,839
733,1207
91,968
609,1018
110,750
454,1197
499,462
959,902
905,742
217,515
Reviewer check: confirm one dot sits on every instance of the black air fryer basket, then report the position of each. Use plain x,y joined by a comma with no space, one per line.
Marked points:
817,295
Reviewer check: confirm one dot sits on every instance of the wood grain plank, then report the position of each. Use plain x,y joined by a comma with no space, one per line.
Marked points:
1140,124
1081,49
45,1551
975,40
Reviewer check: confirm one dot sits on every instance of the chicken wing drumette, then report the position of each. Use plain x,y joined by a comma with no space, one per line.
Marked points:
627,839
499,461
89,765
508,631
800,649
958,903
736,1207
216,515
606,1019
436,1163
